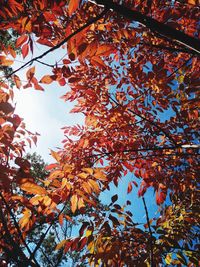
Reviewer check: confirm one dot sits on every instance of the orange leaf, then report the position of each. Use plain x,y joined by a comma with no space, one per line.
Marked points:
33,188
46,79
38,87
73,5
17,81
5,62
74,202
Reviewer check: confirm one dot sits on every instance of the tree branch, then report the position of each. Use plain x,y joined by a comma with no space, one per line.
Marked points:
136,150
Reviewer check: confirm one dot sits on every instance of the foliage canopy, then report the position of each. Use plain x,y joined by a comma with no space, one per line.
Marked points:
133,68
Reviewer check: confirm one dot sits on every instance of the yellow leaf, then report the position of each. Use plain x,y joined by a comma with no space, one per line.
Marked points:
56,174
87,187
91,247
94,185
81,203
33,188
55,155
99,174
88,170
88,233
168,259
35,200
64,182
25,219
83,175
67,168
46,201
74,202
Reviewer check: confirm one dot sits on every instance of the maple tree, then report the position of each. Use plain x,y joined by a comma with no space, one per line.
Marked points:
132,67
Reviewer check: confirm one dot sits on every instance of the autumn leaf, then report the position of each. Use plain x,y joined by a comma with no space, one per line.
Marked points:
5,62
17,81
47,79
21,40
160,197
105,50
74,203
25,50
6,107
30,73
55,155
33,188
100,175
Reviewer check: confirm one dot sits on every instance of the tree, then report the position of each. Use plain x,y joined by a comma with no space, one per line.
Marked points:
132,67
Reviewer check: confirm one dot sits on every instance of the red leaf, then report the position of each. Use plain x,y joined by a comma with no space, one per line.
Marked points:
51,166
143,188
62,82
21,40
82,243
128,166
25,50
68,245
160,197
